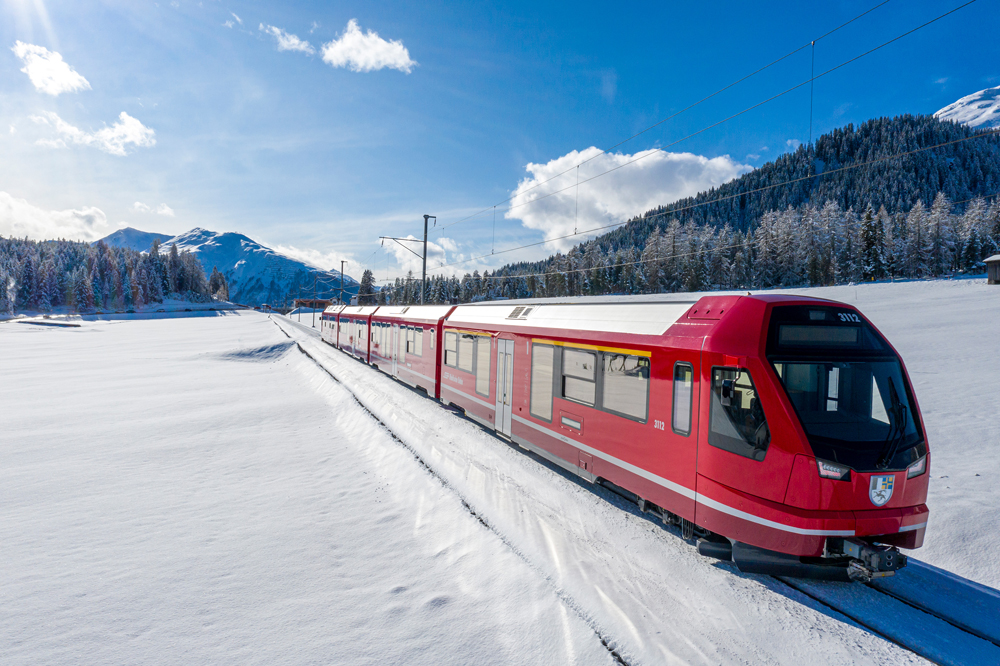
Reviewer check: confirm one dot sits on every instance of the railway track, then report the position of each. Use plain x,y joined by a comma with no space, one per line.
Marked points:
934,614
960,628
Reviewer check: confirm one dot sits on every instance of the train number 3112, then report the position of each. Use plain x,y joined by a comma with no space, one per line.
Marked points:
659,425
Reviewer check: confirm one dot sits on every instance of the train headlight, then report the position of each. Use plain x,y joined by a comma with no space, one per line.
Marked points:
917,468
829,470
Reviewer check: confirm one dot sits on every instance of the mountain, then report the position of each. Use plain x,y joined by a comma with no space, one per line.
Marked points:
255,273
132,239
980,110
961,170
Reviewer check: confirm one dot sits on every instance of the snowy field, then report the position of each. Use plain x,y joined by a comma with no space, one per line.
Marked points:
197,490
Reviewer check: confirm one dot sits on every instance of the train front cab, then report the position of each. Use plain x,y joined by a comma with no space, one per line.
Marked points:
812,436
406,344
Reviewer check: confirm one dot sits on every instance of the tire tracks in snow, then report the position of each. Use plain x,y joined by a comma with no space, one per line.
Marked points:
612,646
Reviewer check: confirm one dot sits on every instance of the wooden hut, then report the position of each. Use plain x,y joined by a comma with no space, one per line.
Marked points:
992,269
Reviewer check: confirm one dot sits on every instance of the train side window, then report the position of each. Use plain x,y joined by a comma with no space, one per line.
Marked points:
466,347
738,424
418,341
683,396
483,349
625,385
542,361
432,338
451,349
579,381
401,345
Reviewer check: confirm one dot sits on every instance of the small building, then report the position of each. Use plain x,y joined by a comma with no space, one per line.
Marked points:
312,303
992,269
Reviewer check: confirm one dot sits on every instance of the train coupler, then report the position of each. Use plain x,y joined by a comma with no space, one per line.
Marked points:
867,561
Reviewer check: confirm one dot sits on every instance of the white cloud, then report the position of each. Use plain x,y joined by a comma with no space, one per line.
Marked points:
18,218
753,156
13,130
238,19
657,178
287,41
228,24
327,261
162,209
366,52
48,72
942,80
792,144
112,140
313,28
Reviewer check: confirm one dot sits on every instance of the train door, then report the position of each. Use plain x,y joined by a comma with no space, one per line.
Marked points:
393,346
505,382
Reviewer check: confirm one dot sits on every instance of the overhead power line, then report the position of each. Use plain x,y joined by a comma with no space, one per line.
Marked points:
746,110
674,115
674,211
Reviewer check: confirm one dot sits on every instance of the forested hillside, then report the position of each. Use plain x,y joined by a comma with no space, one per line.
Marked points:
925,214
44,275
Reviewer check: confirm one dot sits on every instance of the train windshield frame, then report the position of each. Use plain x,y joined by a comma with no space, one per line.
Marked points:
847,387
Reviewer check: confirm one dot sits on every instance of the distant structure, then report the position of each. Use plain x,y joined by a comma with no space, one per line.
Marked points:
314,303
992,269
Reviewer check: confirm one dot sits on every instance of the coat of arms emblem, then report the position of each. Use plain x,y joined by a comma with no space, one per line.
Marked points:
880,491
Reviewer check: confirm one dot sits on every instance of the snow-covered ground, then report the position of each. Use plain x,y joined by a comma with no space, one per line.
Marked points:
197,490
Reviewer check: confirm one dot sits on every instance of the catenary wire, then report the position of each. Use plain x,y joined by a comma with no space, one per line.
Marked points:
733,196
744,111
674,115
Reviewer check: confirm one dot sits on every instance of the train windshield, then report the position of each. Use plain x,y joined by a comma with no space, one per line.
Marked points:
847,387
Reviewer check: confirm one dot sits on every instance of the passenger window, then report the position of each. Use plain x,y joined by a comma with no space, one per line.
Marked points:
451,349
401,345
542,358
683,392
418,341
626,385
579,376
738,423
483,347
466,344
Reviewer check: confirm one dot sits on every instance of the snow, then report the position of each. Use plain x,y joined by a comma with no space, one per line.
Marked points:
980,109
197,490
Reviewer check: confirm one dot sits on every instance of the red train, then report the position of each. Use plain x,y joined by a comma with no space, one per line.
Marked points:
782,431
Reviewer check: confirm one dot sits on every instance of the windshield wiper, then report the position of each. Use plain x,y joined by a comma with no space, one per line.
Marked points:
897,431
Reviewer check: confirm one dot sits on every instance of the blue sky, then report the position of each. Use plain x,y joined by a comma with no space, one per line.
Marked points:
319,146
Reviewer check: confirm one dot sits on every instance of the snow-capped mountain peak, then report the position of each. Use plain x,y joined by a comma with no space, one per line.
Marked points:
980,110
256,274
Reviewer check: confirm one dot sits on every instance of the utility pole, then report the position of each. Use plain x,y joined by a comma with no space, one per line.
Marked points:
314,300
342,262
423,284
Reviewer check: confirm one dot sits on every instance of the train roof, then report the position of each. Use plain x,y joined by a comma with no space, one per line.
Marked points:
358,310
641,318
334,309
414,312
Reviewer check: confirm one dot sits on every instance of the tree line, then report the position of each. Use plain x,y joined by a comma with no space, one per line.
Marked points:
805,245
44,275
